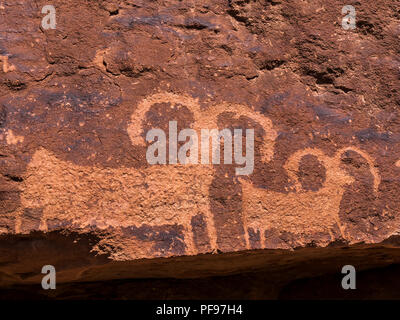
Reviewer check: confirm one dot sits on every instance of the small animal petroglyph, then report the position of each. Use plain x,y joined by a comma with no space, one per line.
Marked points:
302,211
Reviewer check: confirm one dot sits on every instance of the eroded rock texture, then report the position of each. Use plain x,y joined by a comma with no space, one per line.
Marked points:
76,103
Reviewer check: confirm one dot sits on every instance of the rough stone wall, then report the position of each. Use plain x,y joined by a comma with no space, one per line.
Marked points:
76,103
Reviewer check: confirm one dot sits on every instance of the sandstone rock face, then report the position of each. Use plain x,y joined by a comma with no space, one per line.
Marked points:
77,101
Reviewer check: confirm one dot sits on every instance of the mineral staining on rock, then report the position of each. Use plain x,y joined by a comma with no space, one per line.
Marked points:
77,101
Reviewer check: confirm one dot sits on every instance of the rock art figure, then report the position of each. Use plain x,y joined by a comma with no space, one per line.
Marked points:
6,66
178,194
124,197
301,212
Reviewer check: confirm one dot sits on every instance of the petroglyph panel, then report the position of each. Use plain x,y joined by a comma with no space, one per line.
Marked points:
134,200
153,196
76,103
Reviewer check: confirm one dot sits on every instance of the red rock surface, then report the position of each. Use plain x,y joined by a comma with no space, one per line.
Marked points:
76,103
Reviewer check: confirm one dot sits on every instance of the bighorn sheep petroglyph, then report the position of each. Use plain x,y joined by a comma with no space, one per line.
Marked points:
302,211
173,194
123,197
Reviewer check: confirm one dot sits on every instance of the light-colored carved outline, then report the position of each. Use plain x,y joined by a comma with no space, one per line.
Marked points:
336,179
207,119
204,119
6,66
